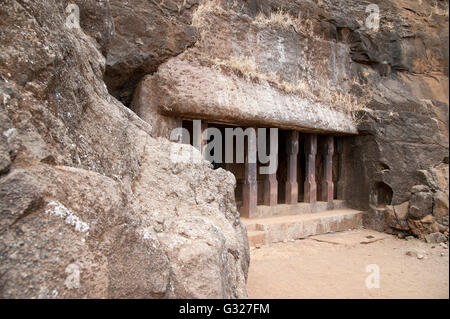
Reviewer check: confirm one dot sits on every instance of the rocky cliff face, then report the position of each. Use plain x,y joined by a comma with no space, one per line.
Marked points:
400,158
90,203
398,74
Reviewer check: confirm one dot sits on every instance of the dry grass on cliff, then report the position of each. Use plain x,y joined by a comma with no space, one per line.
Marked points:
248,69
440,11
285,21
245,68
204,11
280,18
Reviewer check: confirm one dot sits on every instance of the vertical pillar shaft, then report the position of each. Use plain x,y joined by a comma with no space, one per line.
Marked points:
270,180
327,183
179,136
310,181
250,188
340,182
291,181
199,135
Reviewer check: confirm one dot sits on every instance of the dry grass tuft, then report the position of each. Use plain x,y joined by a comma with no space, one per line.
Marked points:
280,18
285,21
205,10
245,68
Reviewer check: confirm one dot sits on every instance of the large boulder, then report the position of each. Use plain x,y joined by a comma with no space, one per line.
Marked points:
437,178
91,205
397,216
440,210
436,238
421,202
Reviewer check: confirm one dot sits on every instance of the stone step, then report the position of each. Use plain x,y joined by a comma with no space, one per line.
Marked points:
292,227
256,237
263,211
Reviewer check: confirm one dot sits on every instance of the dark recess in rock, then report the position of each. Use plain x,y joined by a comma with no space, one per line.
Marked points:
383,194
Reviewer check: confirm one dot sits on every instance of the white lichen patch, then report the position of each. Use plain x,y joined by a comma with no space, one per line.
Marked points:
57,209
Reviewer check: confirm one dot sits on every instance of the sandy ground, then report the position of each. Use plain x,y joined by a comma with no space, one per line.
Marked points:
334,266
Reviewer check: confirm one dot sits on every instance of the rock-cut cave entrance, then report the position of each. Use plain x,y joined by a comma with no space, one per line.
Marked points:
309,171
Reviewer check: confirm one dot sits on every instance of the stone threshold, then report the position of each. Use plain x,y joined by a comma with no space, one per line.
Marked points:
285,228
263,211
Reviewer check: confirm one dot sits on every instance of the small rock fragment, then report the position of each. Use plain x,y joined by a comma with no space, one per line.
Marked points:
435,238
415,253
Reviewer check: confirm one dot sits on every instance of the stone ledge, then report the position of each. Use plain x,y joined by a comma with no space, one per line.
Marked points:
185,89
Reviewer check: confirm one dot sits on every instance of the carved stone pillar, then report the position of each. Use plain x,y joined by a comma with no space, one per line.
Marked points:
340,182
250,187
270,180
327,183
310,181
199,135
291,181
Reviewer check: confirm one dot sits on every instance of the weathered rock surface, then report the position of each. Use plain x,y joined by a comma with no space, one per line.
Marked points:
90,204
420,203
404,130
397,216
146,34
96,21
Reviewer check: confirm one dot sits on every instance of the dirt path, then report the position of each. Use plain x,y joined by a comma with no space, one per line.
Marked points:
334,266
